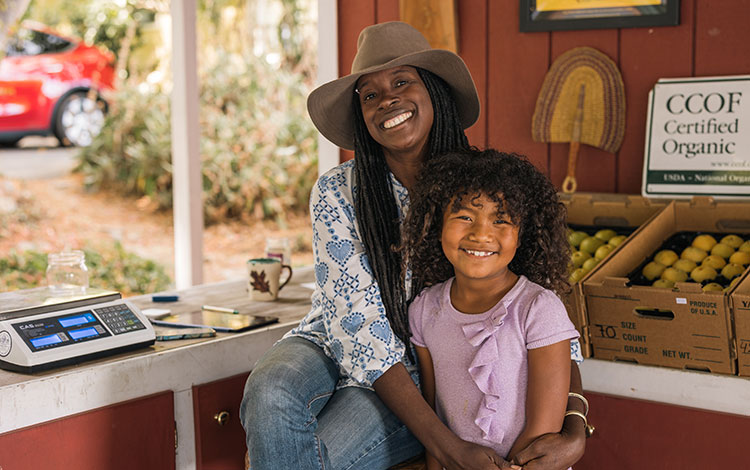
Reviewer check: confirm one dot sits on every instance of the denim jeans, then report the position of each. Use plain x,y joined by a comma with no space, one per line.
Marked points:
294,418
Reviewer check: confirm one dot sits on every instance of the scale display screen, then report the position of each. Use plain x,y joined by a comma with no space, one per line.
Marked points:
53,332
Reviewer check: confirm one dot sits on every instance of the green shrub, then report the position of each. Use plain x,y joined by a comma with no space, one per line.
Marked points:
258,147
110,267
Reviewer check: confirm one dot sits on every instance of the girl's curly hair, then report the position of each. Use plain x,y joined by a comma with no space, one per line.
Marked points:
530,200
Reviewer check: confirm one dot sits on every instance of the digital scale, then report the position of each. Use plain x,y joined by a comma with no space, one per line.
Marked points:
39,331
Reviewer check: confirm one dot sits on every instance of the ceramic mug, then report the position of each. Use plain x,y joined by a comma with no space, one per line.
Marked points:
264,282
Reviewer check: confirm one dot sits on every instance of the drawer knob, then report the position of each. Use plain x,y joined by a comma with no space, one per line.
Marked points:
222,417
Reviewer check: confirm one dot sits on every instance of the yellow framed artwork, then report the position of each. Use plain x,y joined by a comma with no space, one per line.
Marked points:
556,15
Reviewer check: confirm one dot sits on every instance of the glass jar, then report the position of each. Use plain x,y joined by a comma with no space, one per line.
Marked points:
67,273
279,248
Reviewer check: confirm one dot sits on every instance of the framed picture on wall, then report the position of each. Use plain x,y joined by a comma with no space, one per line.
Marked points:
558,15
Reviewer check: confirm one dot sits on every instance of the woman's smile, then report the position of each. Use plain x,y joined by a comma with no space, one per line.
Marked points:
393,122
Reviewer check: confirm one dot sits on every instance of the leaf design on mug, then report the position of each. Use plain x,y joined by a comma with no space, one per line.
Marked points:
259,281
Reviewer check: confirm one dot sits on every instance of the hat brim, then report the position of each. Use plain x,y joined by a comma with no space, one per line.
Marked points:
330,105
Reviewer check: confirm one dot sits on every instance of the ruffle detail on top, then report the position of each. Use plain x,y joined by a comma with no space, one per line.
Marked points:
481,334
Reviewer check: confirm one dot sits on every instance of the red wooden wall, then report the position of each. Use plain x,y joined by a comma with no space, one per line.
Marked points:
508,67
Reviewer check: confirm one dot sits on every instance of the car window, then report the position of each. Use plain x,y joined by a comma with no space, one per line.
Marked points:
31,42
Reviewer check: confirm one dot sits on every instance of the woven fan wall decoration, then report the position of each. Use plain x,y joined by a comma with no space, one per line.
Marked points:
582,100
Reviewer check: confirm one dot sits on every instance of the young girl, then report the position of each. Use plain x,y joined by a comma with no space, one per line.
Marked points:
486,235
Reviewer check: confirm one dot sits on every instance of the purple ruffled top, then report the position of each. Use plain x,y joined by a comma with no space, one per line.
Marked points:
481,334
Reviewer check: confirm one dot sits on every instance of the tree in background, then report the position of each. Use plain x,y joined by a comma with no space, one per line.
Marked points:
10,12
257,62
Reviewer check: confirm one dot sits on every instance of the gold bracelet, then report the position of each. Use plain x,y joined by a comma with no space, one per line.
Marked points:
583,399
577,413
589,429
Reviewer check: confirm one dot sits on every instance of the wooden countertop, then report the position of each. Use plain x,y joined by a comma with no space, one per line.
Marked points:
29,399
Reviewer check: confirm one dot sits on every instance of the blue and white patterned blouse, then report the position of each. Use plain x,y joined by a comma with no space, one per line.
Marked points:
348,319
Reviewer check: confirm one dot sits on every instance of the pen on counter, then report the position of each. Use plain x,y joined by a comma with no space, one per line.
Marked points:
164,298
211,308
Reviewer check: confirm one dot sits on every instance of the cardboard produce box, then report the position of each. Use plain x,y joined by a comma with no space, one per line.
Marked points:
740,307
683,326
590,213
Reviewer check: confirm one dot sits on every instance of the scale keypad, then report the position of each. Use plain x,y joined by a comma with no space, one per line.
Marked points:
119,319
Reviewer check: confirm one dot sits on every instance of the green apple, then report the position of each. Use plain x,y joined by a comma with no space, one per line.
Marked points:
590,244
740,257
605,234
716,262
663,283
603,251
704,242
732,270
575,238
576,275
712,287
685,265
694,254
732,240
617,240
703,273
674,275
723,250
666,257
589,264
653,270
578,257
745,247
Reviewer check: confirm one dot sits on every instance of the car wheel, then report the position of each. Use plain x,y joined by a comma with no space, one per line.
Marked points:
79,119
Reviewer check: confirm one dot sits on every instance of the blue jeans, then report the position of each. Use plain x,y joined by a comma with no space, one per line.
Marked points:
294,418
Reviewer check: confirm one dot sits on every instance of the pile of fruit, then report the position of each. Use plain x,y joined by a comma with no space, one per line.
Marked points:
716,265
589,249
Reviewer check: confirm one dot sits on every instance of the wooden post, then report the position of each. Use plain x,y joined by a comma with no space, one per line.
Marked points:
187,190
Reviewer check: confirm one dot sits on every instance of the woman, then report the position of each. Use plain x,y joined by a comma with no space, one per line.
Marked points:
338,392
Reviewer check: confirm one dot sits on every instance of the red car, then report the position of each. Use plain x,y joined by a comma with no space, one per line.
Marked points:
53,85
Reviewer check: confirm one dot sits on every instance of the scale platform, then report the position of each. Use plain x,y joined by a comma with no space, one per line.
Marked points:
39,331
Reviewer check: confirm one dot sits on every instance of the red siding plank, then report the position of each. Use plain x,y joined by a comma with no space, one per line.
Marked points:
670,53
636,435
387,10
353,17
596,168
722,37
472,47
517,63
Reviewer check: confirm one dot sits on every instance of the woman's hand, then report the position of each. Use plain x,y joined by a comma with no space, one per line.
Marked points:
555,451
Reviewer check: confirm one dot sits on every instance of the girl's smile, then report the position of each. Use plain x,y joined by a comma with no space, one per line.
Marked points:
480,253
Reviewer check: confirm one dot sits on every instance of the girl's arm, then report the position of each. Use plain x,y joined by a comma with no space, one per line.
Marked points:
427,379
558,451
403,398
546,393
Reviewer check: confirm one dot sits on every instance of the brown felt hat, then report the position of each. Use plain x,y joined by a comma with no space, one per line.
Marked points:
379,47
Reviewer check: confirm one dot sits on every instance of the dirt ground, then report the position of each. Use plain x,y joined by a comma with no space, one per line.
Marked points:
66,216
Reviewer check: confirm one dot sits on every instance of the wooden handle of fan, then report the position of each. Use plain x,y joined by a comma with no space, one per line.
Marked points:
569,184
